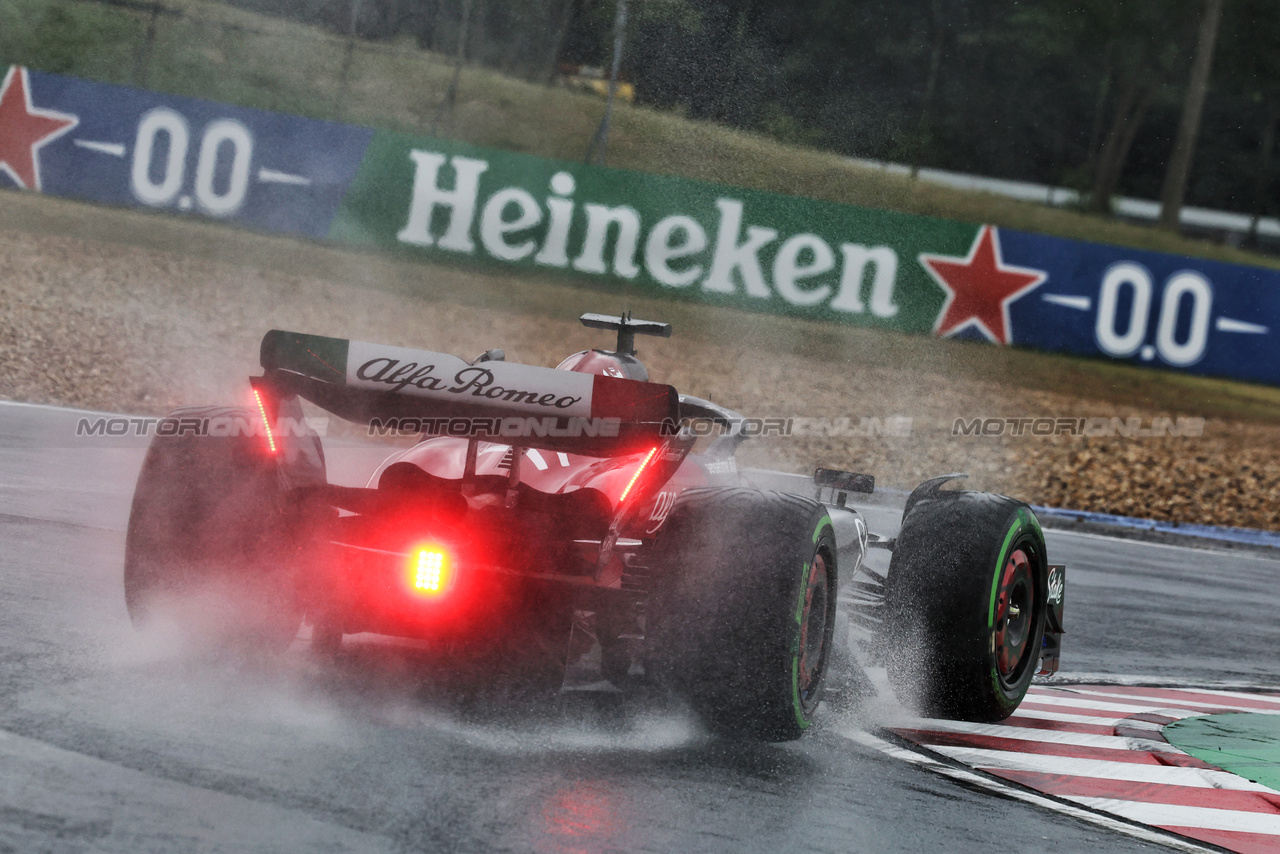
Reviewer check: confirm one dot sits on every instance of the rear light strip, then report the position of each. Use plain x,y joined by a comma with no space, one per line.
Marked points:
262,409
636,476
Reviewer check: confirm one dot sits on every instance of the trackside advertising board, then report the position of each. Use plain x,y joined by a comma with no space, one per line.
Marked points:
634,232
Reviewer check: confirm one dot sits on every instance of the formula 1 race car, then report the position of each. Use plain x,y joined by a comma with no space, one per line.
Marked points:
544,501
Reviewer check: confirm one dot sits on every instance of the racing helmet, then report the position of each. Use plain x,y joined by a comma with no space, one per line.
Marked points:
606,364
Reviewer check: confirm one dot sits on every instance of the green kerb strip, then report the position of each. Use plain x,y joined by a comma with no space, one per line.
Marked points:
1244,744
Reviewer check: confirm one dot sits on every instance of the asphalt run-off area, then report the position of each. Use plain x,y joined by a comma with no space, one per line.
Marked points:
1161,730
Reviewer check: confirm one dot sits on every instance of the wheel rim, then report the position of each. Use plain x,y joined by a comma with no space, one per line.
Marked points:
813,628
1015,617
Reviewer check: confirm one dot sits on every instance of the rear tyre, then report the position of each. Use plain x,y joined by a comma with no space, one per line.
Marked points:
212,543
965,603
743,621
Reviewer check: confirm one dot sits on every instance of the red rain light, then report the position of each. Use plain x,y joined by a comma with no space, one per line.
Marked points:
428,572
271,440
636,476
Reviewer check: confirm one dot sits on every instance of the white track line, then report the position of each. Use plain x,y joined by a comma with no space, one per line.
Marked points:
71,409
1066,717
1066,766
1155,707
1272,706
981,781
1162,797
1095,680
1044,736
1207,549
1201,818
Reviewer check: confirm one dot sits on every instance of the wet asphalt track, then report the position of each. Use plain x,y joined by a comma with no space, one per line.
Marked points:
112,741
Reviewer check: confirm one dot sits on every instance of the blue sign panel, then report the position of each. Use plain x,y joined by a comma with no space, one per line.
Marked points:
123,146
1150,308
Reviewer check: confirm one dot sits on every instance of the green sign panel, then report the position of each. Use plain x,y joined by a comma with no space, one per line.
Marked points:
670,236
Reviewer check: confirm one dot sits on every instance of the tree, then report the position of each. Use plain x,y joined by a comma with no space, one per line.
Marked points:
1082,92
1175,182
1248,70
1140,43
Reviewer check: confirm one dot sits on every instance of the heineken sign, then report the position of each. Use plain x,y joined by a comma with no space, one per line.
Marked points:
636,233
661,235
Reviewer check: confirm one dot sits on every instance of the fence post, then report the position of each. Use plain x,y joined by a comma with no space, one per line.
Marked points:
445,108
344,76
600,142
142,65
1184,145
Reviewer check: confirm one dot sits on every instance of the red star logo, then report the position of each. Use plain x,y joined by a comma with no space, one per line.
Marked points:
24,130
979,287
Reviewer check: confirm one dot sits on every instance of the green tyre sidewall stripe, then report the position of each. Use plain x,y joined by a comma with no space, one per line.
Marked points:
797,703
1023,520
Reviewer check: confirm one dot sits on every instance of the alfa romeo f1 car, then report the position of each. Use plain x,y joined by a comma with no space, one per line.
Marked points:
539,501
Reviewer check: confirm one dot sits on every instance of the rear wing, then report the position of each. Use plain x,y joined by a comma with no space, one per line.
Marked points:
438,394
